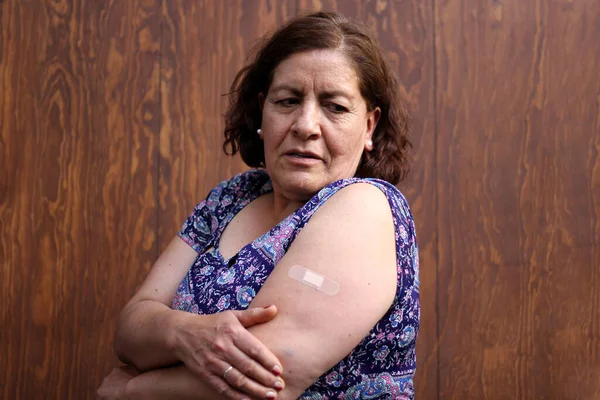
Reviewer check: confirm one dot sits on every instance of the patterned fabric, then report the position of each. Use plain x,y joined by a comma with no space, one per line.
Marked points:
383,364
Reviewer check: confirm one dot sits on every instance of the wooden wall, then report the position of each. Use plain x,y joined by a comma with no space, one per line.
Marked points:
80,119
110,121
518,188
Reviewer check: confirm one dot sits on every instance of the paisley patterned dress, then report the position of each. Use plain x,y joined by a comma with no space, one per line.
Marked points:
383,364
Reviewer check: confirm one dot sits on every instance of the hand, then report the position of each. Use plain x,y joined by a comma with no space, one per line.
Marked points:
210,345
113,386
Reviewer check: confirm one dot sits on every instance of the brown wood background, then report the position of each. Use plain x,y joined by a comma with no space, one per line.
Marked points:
110,121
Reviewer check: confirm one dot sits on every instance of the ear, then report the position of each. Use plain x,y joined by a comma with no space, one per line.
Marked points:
372,120
261,100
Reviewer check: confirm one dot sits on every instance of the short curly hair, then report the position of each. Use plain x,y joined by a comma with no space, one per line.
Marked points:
389,160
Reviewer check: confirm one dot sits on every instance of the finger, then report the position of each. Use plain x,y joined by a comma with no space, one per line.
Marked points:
251,368
225,390
244,384
256,350
256,315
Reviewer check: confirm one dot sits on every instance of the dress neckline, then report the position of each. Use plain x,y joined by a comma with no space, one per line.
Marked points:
249,197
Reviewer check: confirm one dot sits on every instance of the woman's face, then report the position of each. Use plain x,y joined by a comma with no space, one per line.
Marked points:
315,123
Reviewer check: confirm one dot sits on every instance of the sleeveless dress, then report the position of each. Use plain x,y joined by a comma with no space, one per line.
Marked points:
383,364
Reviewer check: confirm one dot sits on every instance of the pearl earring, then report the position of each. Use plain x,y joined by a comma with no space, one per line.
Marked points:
370,143
258,131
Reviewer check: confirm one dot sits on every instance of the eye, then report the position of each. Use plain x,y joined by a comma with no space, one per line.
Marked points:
289,102
336,108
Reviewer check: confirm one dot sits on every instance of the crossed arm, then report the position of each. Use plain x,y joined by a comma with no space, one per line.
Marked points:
350,239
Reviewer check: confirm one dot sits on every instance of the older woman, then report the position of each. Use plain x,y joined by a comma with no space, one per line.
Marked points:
298,278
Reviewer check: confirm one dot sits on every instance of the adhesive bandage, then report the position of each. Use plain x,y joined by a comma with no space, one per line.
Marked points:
314,280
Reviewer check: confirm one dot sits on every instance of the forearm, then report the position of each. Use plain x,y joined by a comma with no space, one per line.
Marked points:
144,335
177,383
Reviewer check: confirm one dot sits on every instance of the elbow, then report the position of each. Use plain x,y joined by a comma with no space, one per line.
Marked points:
120,342
119,349
123,349
135,334
119,346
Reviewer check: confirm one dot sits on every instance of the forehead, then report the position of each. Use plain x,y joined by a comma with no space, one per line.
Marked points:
317,69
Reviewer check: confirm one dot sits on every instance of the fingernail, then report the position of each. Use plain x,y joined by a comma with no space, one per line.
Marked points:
278,384
268,306
276,370
271,394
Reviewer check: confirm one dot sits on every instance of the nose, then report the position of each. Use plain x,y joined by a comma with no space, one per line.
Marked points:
307,125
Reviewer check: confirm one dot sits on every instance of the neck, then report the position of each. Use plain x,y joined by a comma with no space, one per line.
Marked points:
282,207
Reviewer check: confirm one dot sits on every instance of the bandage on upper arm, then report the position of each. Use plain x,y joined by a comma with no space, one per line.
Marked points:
314,279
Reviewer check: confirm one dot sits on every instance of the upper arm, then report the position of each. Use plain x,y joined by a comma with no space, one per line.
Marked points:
167,272
194,238
350,240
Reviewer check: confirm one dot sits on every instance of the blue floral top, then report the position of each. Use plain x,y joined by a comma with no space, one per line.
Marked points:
383,364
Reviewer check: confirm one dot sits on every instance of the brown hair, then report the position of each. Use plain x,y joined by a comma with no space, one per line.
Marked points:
323,30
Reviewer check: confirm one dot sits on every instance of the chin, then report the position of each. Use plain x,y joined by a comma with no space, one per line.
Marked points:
301,188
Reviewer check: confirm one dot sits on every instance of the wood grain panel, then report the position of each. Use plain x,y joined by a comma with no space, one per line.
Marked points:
204,45
404,31
79,122
519,198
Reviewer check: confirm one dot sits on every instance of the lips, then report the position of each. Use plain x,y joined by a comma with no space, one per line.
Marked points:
303,154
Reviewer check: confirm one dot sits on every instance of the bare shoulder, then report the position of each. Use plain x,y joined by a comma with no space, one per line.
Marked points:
354,212
361,197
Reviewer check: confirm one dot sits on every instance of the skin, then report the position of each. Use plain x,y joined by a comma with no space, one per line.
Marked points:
312,106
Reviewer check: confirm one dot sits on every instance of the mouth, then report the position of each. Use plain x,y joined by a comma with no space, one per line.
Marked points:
303,155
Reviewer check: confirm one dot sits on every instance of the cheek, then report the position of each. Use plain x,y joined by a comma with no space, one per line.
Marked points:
273,126
348,144
272,141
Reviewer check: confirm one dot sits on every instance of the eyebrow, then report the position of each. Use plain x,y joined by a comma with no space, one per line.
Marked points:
324,95
288,88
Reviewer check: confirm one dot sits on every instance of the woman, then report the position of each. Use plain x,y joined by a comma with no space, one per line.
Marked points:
297,279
